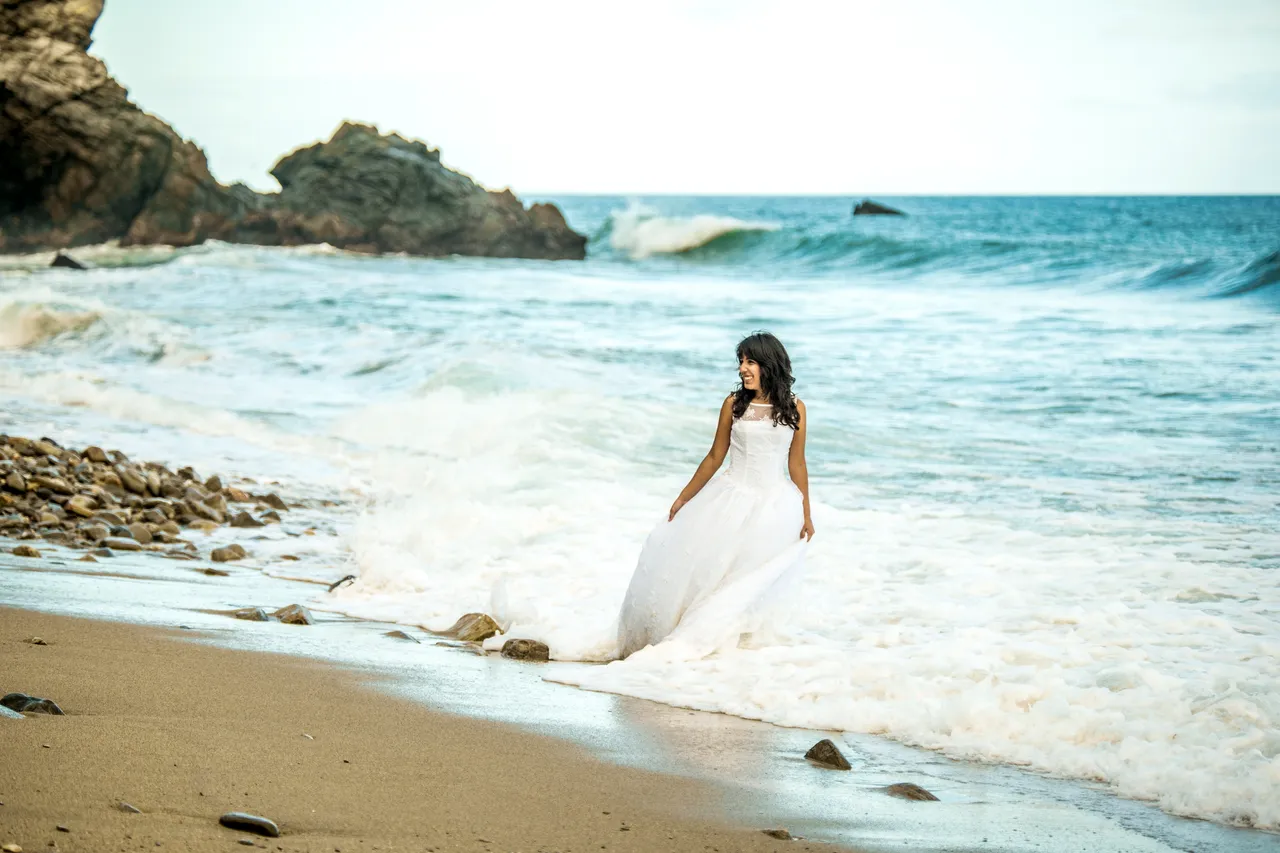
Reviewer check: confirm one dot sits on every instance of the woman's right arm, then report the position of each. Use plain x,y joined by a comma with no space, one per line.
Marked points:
712,461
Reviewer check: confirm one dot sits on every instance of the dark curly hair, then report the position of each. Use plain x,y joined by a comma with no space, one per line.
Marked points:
775,378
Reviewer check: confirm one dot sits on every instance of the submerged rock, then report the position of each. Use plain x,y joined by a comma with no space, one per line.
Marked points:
294,614
826,753
473,627
401,635
517,649
867,207
910,791
251,614
250,823
24,704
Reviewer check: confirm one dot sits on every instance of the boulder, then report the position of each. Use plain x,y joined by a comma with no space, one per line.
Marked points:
826,753
526,650
243,519
867,207
228,553
80,164
473,627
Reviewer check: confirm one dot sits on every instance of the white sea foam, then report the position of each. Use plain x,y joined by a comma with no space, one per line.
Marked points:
24,324
640,231
1080,653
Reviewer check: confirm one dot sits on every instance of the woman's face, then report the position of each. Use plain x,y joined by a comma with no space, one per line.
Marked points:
749,372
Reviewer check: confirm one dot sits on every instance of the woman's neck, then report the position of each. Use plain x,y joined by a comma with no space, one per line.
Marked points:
761,398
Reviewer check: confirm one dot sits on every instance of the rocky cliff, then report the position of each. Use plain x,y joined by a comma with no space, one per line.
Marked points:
81,164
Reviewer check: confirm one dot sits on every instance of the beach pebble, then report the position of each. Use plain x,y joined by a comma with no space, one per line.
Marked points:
121,544
250,823
271,517
24,704
140,533
213,484
82,505
272,500
294,614
340,582
243,519
217,573
126,807
9,714
827,754
26,551
473,627
908,791
779,833
228,553
526,650
11,848
63,828
37,641
251,614
401,635
88,558
293,559
102,552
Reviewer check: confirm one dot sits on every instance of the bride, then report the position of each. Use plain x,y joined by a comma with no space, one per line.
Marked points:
729,544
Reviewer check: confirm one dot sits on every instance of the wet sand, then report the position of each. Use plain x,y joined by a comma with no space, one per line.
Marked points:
185,732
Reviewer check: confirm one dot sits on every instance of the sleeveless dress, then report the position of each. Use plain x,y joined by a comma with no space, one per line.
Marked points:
713,572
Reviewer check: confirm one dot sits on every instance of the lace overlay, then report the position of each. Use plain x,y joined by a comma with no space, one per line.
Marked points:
710,574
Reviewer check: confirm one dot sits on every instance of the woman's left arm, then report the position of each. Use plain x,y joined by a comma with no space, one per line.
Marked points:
799,470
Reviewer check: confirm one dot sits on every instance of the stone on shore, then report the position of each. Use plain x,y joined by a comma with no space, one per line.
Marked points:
24,704
473,627
121,544
826,753
228,553
401,635
294,614
518,649
9,714
26,551
250,823
910,791
243,519
251,614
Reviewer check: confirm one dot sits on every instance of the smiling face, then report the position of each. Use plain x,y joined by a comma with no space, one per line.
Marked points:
750,374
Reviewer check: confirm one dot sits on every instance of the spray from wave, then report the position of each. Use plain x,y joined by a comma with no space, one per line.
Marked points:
25,324
640,232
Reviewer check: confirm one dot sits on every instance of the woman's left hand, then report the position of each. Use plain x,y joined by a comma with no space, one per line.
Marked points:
806,532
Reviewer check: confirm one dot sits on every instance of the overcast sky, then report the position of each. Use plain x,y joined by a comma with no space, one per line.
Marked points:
731,96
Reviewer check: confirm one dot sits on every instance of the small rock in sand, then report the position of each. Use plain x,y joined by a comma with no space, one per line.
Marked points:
11,848
228,553
401,635
24,704
294,614
827,754
250,823
909,791
251,614
216,573
7,714
779,833
62,828
526,650
88,558
125,807
473,627
26,551
37,641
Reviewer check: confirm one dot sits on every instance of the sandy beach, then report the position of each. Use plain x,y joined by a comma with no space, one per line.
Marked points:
185,732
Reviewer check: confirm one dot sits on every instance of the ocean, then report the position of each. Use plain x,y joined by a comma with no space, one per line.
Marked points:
1044,452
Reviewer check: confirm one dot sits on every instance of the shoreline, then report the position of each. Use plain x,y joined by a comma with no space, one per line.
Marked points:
336,761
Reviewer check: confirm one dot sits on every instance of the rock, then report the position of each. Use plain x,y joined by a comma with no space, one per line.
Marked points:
909,791
62,828
15,482
126,807
235,495
827,754
132,480
216,573
200,509
251,614
401,635
140,533
272,500
867,207
187,473
340,581
11,848
473,627
111,518
82,505
9,714
204,525
67,262
171,528
293,558
243,519
37,641
102,552
228,553
88,558
53,484
779,833
526,650
121,544
26,551
24,704
250,823
294,614
156,517
96,455
271,517
213,484
218,504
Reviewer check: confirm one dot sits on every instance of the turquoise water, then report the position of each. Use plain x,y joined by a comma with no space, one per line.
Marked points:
1044,450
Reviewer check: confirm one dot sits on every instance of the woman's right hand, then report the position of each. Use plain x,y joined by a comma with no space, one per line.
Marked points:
675,507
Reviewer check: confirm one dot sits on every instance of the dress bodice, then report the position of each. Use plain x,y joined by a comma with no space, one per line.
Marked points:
758,449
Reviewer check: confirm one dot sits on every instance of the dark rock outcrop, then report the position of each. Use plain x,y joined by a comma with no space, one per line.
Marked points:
867,207
81,164
67,262
826,753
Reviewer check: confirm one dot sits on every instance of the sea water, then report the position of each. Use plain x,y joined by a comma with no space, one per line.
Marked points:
1044,451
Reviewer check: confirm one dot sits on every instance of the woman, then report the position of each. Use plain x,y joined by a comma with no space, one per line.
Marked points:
708,572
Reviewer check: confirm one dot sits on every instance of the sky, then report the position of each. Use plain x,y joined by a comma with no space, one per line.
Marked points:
847,97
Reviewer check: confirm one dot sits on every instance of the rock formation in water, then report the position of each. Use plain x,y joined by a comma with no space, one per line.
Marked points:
81,164
867,207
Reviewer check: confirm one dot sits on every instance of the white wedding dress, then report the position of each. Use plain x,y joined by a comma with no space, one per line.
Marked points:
714,572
